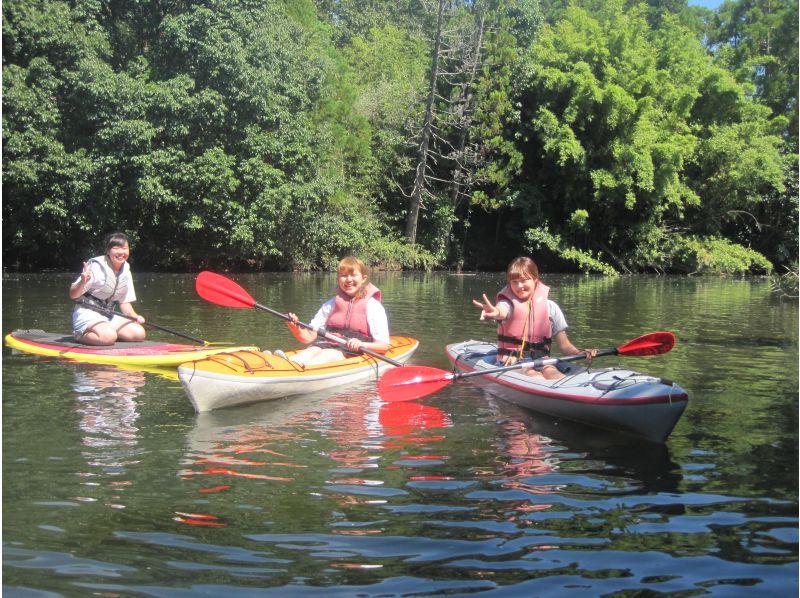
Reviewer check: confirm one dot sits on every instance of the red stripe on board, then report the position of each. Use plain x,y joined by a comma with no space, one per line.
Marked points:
132,352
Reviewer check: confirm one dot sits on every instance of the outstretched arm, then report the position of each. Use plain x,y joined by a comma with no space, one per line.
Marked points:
490,311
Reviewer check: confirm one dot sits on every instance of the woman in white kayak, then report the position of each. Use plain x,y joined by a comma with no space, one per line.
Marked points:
527,321
106,281
354,313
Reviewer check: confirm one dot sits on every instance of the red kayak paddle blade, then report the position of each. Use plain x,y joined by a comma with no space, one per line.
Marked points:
412,382
222,290
654,343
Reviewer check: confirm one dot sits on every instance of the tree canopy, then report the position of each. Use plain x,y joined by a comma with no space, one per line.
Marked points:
606,136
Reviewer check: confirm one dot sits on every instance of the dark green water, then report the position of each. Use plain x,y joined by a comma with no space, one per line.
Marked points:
112,486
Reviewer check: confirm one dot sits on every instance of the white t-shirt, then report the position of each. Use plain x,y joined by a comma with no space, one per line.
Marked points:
557,320
376,318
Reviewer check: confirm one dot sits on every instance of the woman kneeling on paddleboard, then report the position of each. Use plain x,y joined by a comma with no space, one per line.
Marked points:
528,321
355,313
106,282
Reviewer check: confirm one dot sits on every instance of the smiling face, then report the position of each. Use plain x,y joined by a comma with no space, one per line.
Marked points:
118,255
523,287
351,280
522,275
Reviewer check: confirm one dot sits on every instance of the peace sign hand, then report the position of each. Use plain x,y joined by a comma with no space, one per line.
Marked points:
487,309
86,275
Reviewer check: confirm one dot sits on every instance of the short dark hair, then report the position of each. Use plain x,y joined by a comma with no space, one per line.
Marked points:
117,239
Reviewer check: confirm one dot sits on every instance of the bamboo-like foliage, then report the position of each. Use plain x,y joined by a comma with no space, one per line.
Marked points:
417,133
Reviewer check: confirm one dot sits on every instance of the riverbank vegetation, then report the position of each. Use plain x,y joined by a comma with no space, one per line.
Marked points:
786,285
597,135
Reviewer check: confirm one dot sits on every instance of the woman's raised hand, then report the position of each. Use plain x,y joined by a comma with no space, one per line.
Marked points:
86,275
487,309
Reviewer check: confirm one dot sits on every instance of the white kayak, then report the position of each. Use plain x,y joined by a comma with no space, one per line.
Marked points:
243,377
612,398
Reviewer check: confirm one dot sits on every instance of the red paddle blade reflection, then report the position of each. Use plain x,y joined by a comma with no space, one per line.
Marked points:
406,425
403,419
412,382
654,343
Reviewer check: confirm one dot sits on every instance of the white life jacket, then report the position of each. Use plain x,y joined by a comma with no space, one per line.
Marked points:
113,287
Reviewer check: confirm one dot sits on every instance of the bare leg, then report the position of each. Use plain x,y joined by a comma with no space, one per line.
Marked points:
327,356
548,372
131,332
99,335
306,355
551,372
317,355
533,373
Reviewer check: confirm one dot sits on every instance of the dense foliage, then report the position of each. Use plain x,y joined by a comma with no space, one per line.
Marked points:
598,135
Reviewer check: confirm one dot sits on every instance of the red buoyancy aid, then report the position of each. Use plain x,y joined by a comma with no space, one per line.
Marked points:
539,332
349,315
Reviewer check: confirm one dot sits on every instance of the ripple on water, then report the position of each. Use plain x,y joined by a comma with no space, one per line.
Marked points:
338,494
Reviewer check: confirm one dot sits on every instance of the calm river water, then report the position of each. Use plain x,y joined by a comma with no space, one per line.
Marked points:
112,486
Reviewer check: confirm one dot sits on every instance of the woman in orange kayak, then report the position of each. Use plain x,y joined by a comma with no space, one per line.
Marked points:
106,282
528,322
354,313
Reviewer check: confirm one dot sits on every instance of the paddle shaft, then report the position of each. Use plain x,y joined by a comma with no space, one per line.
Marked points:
536,363
109,311
327,335
414,382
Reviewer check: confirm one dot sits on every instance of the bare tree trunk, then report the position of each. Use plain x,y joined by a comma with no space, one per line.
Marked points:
464,116
465,109
422,154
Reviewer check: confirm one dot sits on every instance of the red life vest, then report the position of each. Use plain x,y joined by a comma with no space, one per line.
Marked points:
349,314
533,322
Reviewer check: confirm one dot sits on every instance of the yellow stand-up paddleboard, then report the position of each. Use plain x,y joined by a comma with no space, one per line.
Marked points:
147,354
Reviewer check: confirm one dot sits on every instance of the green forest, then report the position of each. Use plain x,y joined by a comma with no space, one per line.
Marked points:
604,136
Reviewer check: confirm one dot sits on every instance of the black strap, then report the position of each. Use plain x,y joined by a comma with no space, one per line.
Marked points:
106,302
348,333
102,303
545,344
530,352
